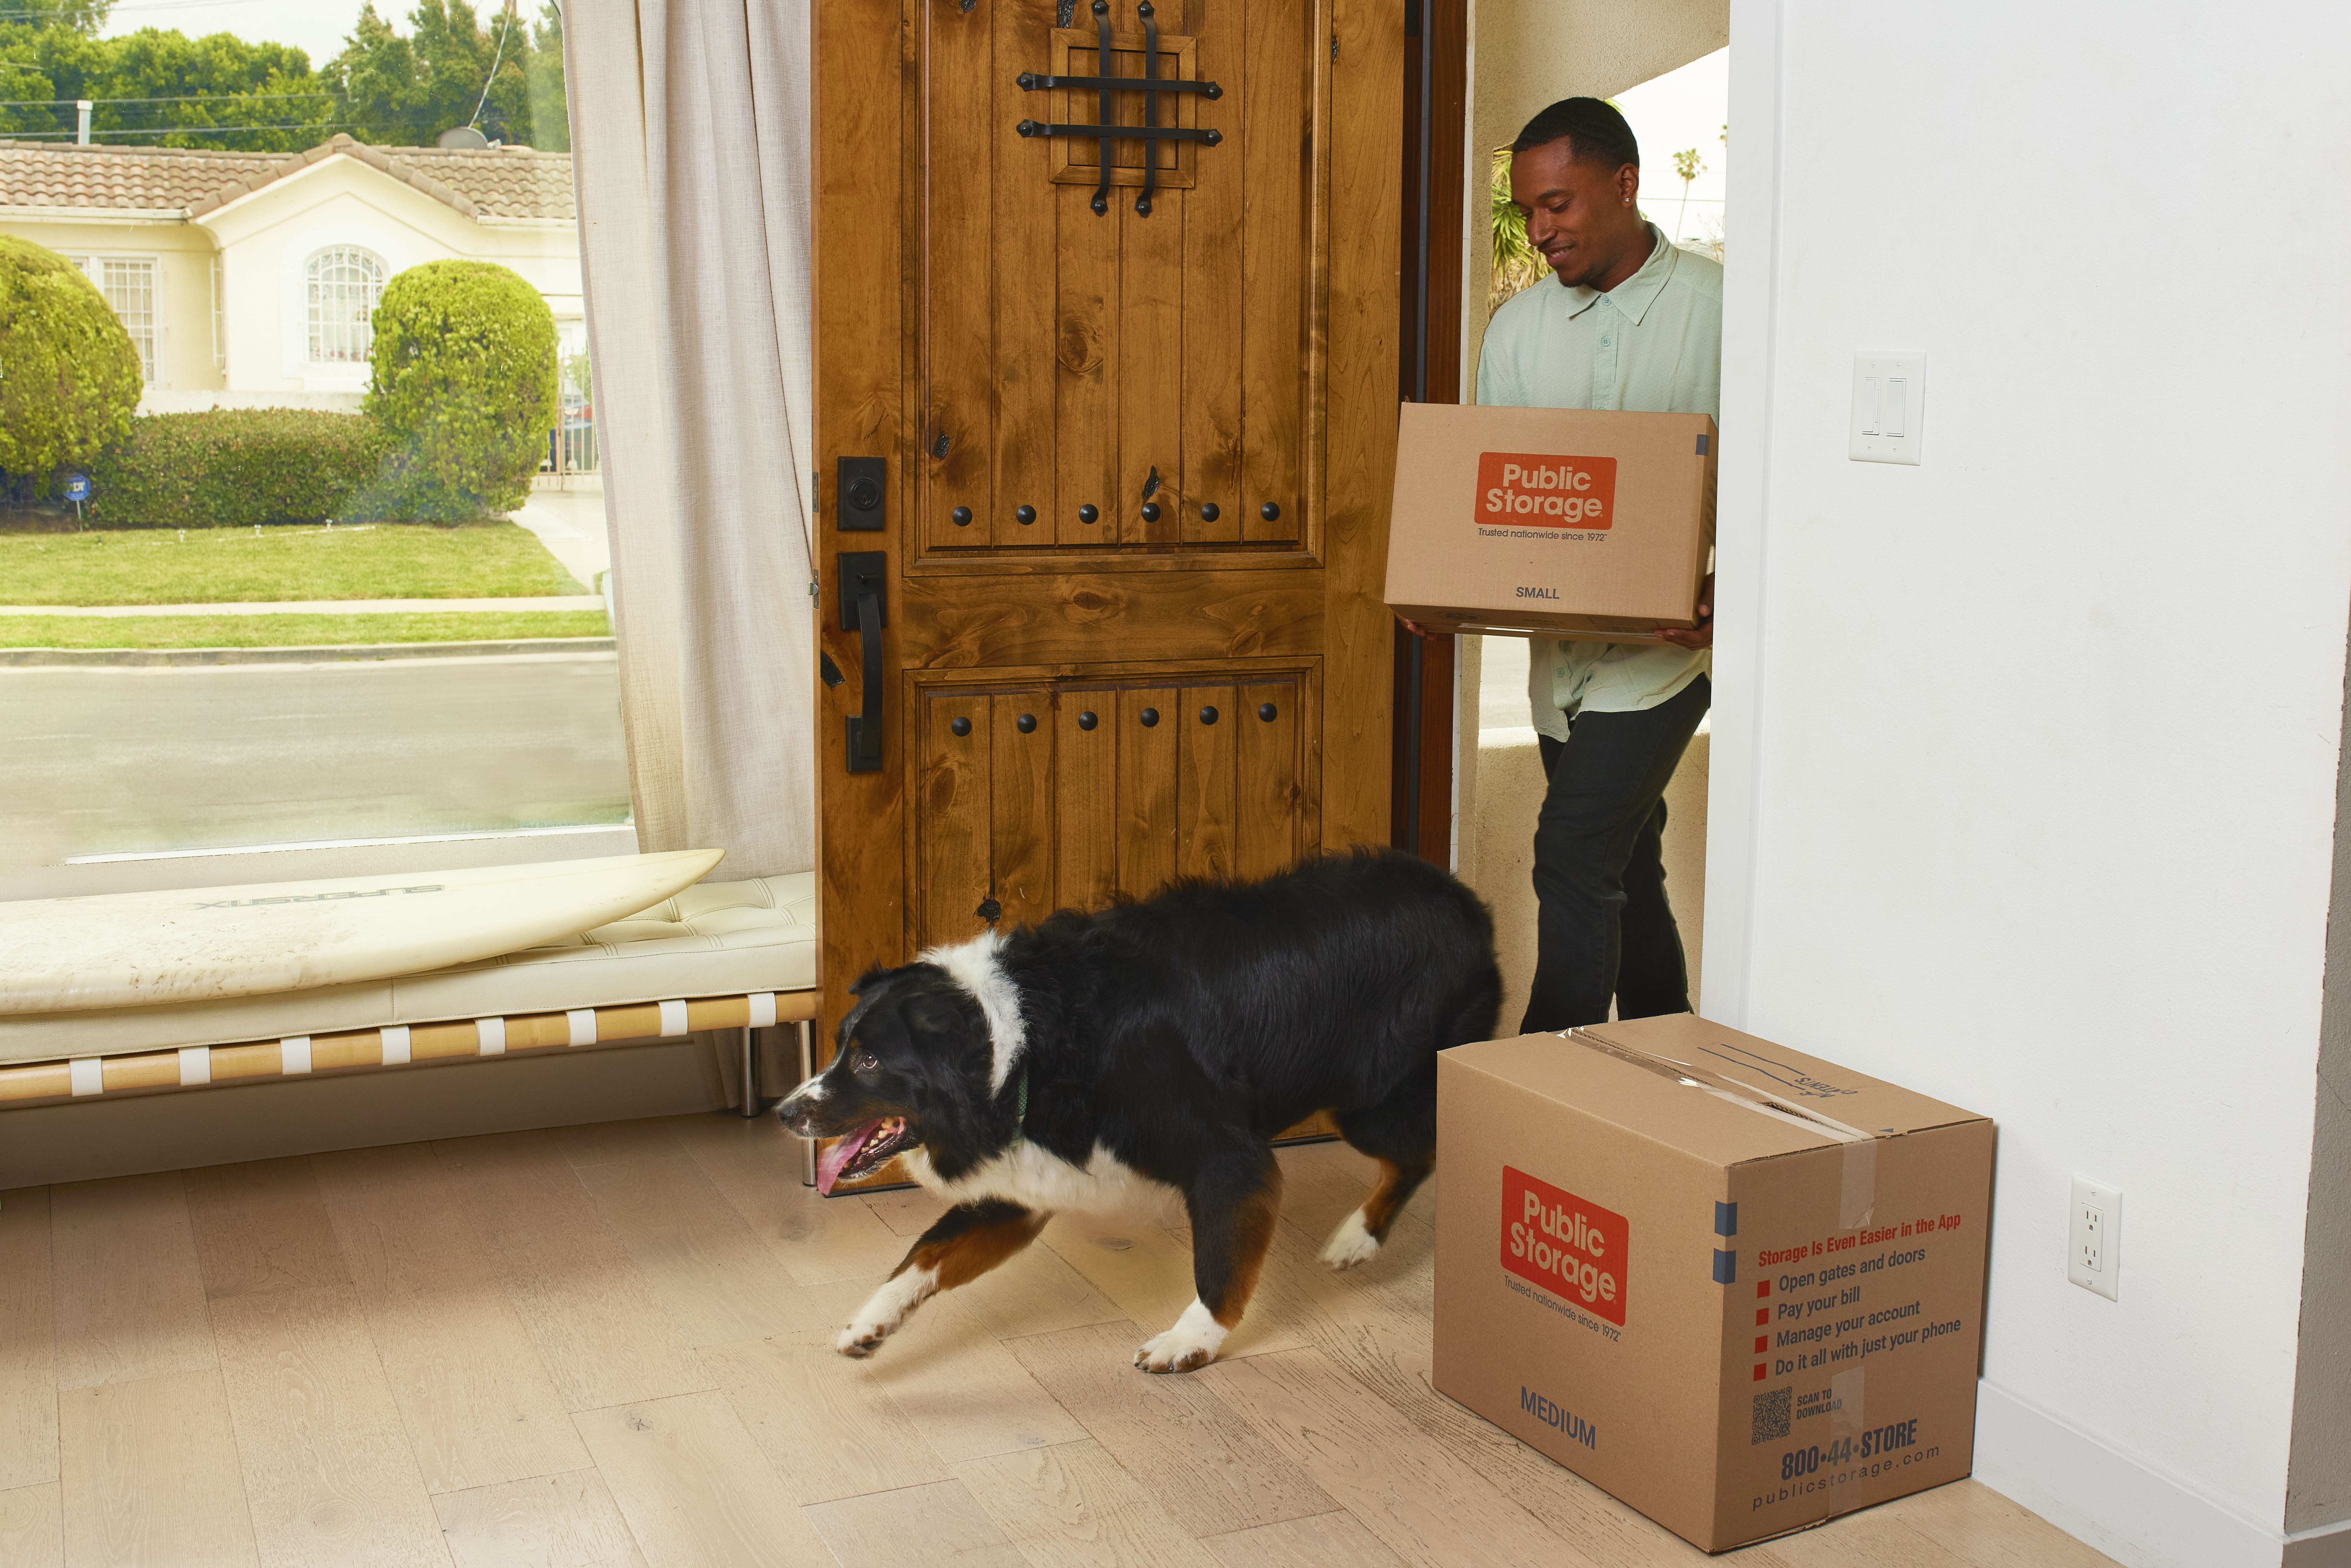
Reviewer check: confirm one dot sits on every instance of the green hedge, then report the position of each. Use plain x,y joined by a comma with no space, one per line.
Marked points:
69,374
463,388
234,467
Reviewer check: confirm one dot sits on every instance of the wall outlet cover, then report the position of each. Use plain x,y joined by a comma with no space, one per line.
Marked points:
2094,1238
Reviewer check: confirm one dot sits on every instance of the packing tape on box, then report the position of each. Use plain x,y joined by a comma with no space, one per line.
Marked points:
1845,1416
1857,1188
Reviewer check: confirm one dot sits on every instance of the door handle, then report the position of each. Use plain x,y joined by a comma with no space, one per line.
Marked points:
862,582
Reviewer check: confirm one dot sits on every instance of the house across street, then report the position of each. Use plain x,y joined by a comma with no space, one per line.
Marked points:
246,279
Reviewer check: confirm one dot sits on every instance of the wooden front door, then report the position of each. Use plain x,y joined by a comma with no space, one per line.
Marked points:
1104,430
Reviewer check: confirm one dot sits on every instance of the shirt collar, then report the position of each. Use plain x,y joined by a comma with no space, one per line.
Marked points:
1633,296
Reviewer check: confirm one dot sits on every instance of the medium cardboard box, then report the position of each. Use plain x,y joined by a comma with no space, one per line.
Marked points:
1735,1286
1546,522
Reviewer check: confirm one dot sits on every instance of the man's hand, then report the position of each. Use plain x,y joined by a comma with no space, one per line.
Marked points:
1416,630
1700,635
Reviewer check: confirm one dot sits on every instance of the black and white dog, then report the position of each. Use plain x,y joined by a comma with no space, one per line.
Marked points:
1161,1041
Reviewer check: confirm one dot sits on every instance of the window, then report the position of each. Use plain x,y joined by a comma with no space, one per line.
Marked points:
280,728
343,286
129,284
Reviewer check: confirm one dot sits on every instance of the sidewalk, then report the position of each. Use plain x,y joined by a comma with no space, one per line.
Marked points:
322,607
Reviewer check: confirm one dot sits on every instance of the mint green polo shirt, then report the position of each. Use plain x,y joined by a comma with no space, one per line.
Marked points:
1652,344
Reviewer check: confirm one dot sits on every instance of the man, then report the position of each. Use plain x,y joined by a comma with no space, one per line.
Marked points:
1631,322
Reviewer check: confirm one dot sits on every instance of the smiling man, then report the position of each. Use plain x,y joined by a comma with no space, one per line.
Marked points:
1630,322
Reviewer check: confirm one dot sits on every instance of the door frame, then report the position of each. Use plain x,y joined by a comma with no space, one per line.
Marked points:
1436,68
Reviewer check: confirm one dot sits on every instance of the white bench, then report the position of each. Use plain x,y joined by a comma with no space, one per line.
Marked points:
719,955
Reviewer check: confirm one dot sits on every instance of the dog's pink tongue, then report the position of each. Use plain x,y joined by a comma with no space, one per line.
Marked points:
828,1164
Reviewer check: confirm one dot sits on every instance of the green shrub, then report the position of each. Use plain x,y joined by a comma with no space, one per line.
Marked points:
68,374
464,388
233,467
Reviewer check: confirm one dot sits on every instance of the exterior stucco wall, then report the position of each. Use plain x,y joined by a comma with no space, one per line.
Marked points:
183,285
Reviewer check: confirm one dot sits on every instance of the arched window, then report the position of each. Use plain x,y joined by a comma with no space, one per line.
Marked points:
345,284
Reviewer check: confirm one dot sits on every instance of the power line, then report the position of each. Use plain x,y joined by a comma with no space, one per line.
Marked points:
181,130
194,98
63,12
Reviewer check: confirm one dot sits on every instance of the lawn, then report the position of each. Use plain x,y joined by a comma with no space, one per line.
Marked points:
227,566
294,631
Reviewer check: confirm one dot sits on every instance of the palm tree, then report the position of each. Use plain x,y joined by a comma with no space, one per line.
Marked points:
1689,166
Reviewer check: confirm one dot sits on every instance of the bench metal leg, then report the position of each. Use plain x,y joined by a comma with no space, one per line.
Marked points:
807,1066
750,1074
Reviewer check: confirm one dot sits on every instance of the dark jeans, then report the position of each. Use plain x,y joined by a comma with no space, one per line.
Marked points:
1604,929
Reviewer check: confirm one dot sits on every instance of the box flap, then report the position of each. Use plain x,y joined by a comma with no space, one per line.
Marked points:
1803,1085
1592,1080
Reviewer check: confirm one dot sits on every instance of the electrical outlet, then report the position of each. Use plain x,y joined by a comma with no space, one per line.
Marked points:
2093,1239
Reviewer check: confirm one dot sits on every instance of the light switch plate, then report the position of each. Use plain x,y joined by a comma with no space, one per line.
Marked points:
1889,402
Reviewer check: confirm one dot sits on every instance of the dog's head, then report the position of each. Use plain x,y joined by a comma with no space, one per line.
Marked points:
912,1068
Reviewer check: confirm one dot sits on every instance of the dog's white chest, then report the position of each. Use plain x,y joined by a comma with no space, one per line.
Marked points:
1035,1179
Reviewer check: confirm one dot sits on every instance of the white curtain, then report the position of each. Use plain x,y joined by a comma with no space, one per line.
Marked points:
690,143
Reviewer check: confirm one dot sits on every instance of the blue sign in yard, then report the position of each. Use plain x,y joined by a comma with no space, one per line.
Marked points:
77,487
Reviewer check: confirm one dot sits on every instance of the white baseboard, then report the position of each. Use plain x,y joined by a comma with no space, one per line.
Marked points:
2142,1518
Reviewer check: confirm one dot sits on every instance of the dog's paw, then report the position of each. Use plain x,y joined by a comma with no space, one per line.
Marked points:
1192,1342
1352,1243
860,1340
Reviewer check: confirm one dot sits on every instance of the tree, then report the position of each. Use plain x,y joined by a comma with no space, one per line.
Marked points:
505,78
68,374
1689,166
1517,264
462,390
223,93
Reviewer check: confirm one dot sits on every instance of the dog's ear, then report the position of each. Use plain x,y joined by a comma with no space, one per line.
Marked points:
927,1013
874,980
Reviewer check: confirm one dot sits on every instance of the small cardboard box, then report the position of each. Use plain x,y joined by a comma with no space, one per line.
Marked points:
1738,1287
1546,522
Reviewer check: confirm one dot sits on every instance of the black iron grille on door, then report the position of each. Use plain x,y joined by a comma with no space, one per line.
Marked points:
1150,84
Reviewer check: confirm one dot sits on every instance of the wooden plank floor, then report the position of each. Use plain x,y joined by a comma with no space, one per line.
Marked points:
611,1345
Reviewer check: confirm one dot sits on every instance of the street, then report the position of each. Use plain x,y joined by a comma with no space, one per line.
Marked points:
108,759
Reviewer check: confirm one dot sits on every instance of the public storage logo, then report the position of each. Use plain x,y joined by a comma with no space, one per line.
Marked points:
1574,1249
1541,490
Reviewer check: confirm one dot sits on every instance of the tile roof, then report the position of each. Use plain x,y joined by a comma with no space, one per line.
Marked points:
493,183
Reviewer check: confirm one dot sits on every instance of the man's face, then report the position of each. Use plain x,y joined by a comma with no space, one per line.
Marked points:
1577,214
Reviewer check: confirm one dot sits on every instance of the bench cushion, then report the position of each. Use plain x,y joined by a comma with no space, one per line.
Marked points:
713,940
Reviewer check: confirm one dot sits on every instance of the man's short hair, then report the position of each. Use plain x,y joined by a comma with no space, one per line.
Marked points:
1597,132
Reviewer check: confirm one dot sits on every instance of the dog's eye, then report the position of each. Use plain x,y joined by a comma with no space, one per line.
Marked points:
867,1062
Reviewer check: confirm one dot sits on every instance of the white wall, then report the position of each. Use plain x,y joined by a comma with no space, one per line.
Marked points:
2024,760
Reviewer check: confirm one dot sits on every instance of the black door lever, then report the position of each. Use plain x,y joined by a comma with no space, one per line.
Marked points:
862,582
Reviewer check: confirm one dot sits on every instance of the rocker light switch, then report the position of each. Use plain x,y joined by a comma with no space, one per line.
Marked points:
1888,407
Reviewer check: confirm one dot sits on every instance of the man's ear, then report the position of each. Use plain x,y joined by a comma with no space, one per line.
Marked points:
1628,184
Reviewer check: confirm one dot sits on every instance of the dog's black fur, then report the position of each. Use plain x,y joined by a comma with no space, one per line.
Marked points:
1177,1034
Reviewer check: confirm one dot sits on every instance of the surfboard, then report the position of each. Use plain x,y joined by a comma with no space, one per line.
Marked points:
140,949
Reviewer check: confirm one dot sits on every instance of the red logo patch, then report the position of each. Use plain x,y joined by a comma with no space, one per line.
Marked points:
1534,489
1572,1248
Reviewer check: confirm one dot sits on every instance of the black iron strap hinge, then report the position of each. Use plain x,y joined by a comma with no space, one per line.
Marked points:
1151,84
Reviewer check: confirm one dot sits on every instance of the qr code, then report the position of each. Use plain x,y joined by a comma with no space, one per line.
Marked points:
1771,1415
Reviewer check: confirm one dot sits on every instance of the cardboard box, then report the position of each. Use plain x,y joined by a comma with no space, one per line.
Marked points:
1545,522
1738,1287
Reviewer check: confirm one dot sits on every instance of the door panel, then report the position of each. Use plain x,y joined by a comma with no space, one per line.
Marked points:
1217,360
